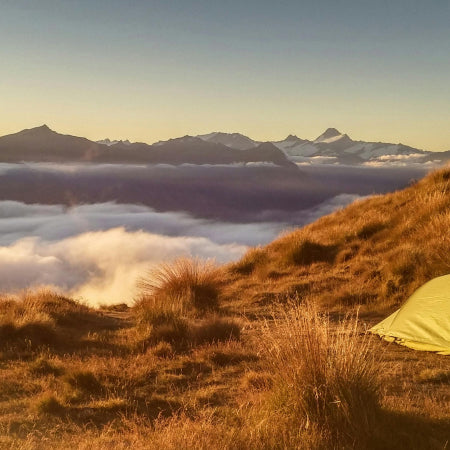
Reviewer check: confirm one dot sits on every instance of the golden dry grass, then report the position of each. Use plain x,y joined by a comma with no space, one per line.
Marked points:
183,284
325,375
371,255
263,353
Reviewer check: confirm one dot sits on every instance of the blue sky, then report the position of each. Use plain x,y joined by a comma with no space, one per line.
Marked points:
149,70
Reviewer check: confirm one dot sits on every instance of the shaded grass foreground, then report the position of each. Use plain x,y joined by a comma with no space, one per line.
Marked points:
299,380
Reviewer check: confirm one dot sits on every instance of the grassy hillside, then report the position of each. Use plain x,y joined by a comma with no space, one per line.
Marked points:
371,255
268,352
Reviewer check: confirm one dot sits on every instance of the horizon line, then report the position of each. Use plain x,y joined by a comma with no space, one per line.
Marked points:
44,125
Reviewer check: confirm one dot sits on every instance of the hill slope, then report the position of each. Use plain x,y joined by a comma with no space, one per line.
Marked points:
373,254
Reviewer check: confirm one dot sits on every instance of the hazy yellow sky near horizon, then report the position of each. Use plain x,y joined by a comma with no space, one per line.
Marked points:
153,70
263,127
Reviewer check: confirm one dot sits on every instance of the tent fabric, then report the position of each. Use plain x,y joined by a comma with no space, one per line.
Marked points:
423,322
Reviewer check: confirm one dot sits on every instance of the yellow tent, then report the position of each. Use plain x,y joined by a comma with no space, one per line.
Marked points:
423,322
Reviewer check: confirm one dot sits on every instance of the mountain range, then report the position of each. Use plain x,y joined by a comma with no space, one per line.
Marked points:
41,144
334,147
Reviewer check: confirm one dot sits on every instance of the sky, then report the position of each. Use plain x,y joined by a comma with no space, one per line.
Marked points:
156,69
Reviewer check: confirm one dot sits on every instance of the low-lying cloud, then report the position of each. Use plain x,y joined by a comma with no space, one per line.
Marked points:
410,160
100,267
97,252
100,227
55,222
242,194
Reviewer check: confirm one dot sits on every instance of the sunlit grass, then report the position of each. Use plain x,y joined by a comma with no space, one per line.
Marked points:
265,353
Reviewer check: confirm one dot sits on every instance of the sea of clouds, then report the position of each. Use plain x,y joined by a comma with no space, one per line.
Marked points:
91,231
97,252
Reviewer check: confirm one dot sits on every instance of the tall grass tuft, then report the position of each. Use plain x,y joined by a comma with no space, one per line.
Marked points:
184,284
324,375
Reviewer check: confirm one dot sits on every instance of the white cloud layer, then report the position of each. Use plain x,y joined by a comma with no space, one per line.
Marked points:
54,222
97,252
102,266
410,160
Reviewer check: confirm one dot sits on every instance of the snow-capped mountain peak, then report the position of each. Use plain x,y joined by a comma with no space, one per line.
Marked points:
109,142
234,140
331,147
330,135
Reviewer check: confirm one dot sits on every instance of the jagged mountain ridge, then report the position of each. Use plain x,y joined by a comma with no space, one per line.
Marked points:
41,144
335,147
233,140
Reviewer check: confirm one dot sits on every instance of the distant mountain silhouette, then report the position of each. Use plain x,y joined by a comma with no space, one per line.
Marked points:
334,147
233,140
42,144
329,133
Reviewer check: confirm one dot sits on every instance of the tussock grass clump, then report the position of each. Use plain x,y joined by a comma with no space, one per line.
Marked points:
48,404
186,283
22,320
163,350
308,252
30,335
370,229
37,319
42,367
257,381
176,332
153,311
347,253
116,307
438,376
323,376
248,263
216,329
223,359
354,297
439,176
84,381
180,334
110,405
172,294
406,263
64,311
